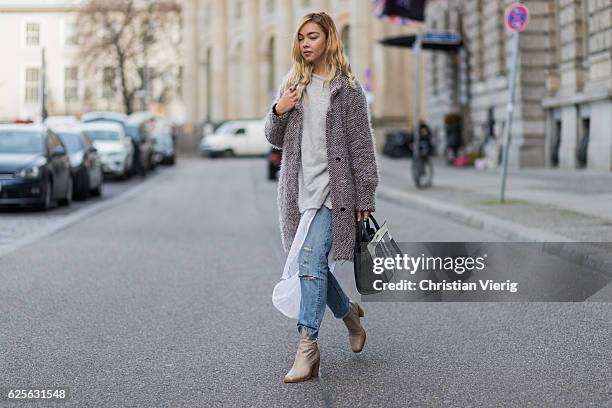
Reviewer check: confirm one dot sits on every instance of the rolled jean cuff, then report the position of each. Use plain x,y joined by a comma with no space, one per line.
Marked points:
348,310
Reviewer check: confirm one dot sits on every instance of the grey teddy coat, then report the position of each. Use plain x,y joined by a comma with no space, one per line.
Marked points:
351,159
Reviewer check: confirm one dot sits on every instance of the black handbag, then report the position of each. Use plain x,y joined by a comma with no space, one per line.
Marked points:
370,243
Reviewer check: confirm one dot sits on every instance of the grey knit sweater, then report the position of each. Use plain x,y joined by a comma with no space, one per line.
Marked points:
313,175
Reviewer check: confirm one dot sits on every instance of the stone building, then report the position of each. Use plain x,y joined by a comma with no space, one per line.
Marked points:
563,108
237,51
71,89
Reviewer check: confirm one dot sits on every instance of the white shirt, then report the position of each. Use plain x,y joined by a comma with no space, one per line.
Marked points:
286,296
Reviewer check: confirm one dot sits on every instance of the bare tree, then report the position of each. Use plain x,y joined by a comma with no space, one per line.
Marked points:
130,35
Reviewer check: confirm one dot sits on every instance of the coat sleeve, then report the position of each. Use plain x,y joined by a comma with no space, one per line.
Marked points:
361,150
276,124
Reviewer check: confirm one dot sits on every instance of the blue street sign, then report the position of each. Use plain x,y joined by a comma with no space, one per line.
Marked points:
441,37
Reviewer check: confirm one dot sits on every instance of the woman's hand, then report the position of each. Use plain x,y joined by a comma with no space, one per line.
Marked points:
365,215
288,101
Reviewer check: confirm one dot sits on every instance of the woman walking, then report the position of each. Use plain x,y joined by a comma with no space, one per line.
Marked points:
327,182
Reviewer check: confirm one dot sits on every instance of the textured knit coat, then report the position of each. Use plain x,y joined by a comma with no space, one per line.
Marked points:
351,159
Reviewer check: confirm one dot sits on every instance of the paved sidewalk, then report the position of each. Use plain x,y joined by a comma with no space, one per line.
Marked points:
574,205
542,205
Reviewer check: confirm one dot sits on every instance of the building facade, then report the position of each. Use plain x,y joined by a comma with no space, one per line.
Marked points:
563,105
237,52
32,25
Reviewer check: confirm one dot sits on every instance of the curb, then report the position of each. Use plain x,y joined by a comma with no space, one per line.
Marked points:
503,229
83,213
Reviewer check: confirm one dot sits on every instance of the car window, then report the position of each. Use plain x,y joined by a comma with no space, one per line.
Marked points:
53,141
133,131
103,135
240,131
87,140
227,127
18,142
72,141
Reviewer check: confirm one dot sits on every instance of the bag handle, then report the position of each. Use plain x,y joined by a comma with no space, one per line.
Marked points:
363,227
373,220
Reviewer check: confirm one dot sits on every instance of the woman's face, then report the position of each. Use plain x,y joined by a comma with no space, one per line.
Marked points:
312,42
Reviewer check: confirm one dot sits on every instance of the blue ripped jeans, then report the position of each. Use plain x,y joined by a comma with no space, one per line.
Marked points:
317,283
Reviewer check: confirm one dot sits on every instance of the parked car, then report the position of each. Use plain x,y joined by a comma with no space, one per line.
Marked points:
34,167
274,163
165,151
54,121
236,138
120,119
139,126
113,146
103,116
85,162
164,142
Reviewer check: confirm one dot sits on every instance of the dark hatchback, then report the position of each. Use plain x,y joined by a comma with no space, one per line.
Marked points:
34,167
274,163
85,164
139,127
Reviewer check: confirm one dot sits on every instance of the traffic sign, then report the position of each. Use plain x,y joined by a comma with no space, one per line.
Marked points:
441,38
517,17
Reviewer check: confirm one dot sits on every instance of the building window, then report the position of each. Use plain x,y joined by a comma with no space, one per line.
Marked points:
108,82
238,10
32,34
147,76
585,31
501,32
434,65
271,72
555,145
346,40
270,6
207,14
32,83
70,36
179,87
71,83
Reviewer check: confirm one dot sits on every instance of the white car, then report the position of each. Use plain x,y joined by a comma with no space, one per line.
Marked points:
237,138
114,147
56,121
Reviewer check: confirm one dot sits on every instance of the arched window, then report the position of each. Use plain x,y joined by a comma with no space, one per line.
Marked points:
271,72
209,79
345,37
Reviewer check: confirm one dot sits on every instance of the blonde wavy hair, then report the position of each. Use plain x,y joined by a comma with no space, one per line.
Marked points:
335,58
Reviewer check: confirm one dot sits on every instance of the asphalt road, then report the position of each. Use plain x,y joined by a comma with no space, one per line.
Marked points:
17,222
165,300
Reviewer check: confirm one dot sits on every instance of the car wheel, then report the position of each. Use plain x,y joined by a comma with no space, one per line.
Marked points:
97,192
66,201
81,190
271,172
47,198
126,173
229,153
